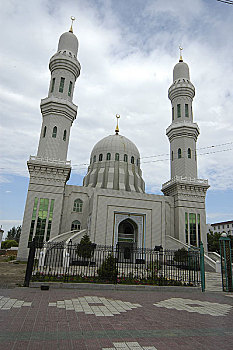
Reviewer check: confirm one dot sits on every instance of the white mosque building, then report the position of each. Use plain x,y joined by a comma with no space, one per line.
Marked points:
112,206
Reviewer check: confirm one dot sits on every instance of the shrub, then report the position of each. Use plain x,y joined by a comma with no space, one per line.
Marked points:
8,244
108,270
85,249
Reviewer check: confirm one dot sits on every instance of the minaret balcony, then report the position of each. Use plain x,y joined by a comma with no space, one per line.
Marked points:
183,128
46,160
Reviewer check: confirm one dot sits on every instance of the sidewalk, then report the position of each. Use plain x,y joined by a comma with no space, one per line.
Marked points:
109,320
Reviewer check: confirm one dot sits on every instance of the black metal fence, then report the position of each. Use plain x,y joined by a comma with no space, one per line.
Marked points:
106,264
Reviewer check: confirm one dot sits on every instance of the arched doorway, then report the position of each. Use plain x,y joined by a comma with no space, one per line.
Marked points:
127,240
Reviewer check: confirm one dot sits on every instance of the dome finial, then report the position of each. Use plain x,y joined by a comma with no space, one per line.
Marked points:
71,27
117,127
181,58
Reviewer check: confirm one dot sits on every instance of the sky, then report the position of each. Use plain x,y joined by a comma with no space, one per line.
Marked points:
127,51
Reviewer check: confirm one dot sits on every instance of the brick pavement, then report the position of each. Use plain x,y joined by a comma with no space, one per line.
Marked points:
114,320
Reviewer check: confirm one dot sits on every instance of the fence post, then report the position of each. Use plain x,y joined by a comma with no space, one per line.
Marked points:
30,263
202,267
226,263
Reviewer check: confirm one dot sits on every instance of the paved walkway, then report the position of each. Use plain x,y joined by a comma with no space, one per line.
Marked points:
213,282
115,320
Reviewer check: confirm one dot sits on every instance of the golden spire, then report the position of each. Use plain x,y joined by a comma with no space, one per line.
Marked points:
71,27
181,58
117,127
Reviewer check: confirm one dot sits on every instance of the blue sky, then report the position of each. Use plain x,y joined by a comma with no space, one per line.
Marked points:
127,52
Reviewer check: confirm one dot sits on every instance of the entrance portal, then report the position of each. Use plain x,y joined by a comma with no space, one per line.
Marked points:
127,240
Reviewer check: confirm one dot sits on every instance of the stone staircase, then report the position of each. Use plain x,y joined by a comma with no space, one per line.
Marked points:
213,281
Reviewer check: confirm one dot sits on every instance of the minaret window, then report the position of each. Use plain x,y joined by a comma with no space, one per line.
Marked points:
94,159
54,134
44,132
52,86
172,113
62,83
172,155
70,88
76,225
125,158
132,160
78,205
179,153
117,156
186,110
108,156
138,162
189,153
64,135
178,111
100,157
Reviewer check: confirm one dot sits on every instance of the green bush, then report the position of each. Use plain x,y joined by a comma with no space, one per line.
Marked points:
8,244
108,270
85,249
181,255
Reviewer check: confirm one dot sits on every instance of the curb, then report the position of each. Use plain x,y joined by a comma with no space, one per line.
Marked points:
116,287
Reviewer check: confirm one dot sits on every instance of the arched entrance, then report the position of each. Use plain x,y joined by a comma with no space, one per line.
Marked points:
127,240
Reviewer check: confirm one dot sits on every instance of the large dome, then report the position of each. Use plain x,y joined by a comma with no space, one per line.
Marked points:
116,144
115,164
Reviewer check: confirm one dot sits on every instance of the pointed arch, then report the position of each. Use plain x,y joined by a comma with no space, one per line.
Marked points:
54,134
76,225
179,153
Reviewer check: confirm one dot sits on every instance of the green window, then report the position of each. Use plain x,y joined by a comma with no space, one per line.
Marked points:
117,156
44,131
179,153
186,228
70,88
94,159
186,110
76,225
189,153
33,220
138,162
178,111
52,86
64,135
125,158
41,220
132,160
198,229
172,113
62,83
54,134
192,229
100,157
50,220
108,156
78,205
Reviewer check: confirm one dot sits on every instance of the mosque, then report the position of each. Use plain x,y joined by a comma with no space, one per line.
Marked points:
112,206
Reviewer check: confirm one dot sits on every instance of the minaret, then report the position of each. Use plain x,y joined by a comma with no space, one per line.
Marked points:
188,191
50,170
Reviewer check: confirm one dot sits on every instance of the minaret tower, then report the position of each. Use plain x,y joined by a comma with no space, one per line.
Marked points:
50,170
188,191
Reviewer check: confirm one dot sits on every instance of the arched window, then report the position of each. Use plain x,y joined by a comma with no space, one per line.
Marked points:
108,156
132,160
138,162
189,153
62,83
178,111
117,156
76,225
78,205
90,160
179,153
100,157
172,155
52,86
125,158
64,135
54,134
44,131
70,88
94,159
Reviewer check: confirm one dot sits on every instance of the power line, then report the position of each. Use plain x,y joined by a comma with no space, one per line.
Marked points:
230,2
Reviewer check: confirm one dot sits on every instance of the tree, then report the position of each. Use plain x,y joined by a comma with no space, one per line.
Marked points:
108,270
85,248
9,243
14,234
213,241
